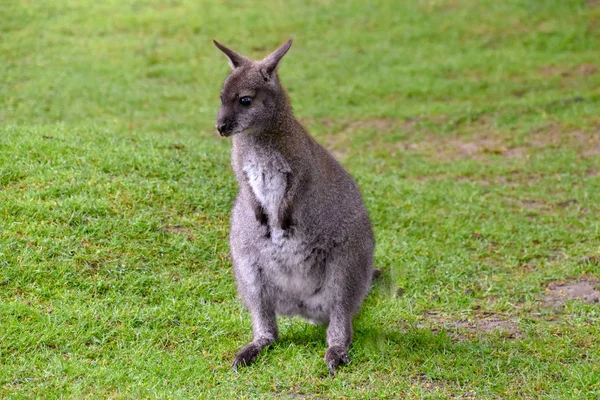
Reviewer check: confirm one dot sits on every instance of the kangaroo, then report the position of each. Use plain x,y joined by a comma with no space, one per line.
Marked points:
301,239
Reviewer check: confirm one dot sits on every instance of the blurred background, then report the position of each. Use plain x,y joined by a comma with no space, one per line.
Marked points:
152,66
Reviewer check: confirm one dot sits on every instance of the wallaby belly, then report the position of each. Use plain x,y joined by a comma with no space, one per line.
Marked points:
295,272
292,267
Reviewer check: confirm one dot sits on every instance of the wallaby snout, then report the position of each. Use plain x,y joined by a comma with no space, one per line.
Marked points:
225,124
220,127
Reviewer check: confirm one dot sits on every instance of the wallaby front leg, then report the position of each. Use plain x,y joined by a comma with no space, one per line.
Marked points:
339,336
286,208
261,215
259,211
285,215
265,332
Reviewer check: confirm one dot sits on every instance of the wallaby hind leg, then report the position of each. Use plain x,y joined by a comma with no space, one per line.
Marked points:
264,321
265,332
339,336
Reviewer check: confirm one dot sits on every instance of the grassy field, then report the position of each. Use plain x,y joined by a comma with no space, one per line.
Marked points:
472,127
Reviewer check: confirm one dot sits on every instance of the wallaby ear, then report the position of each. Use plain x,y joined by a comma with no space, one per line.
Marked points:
269,64
235,60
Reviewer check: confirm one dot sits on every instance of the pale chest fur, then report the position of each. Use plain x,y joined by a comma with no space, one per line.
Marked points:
267,176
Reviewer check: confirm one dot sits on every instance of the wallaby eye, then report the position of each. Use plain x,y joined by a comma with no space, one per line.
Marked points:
246,101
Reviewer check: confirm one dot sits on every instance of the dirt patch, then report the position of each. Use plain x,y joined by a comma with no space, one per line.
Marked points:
586,69
455,148
478,138
555,136
591,171
533,204
557,293
487,323
488,142
490,324
479,145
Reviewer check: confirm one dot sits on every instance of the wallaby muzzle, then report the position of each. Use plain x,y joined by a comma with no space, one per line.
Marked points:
220,128
225,126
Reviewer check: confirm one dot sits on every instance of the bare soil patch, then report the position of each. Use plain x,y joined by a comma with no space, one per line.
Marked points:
557,293
486,141
490,324
593,3
487,323
534,204
586,69
477,140
555,136
477,148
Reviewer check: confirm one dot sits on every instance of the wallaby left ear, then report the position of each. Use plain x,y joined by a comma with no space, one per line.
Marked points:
269,64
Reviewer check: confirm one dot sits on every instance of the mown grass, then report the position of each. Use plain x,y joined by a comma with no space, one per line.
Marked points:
472,128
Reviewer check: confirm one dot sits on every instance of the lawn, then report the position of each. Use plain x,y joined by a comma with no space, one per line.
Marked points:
472,128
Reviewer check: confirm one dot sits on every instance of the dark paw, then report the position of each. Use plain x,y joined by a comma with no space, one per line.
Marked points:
262,217
246,355
268,232
334,357
287,224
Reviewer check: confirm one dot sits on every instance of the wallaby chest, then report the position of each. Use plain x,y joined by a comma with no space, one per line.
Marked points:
267,175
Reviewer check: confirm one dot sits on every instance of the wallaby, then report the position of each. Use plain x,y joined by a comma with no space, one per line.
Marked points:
301,239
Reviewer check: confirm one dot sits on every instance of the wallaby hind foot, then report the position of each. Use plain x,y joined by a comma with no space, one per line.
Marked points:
335,357
249,352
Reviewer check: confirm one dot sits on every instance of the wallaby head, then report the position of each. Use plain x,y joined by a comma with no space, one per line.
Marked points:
252,98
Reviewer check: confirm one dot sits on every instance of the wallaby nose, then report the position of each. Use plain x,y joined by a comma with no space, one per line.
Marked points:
220,126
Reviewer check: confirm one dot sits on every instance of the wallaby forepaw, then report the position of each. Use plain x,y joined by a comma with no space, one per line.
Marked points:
287,225
246,355
334,357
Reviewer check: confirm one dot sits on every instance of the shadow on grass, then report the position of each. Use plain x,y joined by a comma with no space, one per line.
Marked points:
402,340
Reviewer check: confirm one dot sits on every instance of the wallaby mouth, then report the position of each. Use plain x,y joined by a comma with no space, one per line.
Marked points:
225,128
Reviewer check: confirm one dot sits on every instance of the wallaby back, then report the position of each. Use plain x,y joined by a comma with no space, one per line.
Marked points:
301,240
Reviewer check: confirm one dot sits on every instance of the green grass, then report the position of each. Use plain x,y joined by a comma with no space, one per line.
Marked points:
472,127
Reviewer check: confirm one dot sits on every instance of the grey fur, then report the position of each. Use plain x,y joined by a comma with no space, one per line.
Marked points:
301,240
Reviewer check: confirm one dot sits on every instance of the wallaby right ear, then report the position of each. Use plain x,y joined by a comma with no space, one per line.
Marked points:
235,60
